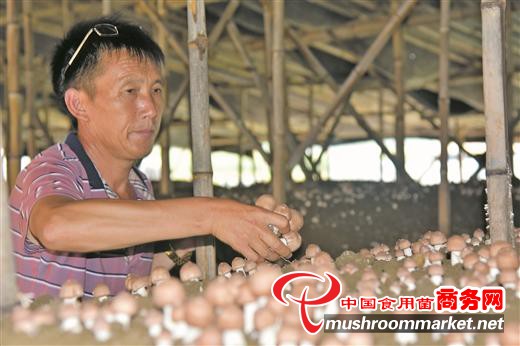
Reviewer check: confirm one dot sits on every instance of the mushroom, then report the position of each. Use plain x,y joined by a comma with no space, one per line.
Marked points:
311,251
237,264
435,272
484,254
164,338
508,279
399,255
250,267
158,275
495,248
293,240
190,272
224,269
456,244
433,257
507,259
176,322
23,321
470,260
217,292
168,295
438,240
288,335
296,221
247,300
71,291
89,313
101,330
153,321
266,201
364,339
25,299
404,245
101,292
209,336
199,315
139,285
265,326
44,316
410,264
383,256
125,306
230,321
69,316
478,237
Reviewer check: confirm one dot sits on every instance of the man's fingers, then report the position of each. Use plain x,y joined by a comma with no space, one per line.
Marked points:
280,222
275,244
264,251
250,254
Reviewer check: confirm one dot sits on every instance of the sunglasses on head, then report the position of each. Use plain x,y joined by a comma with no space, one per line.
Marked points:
102,30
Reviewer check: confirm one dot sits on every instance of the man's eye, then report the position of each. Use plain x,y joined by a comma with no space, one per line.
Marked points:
131,91
157,90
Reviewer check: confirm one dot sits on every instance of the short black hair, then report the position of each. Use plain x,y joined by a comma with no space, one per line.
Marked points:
130,37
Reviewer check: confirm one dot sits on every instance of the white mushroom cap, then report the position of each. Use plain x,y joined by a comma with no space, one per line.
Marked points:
158,275
266,201
223,269
507,259
293,240
263,279
264,318
250,267
210,336
139,282
125,303
101,290
437,238
296,221
71,289
199,312
403,244
495,248
217,292
170,292
312,250
190,272
456,243
230,318
238,263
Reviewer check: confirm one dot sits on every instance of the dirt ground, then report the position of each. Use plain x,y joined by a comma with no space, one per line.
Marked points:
351,215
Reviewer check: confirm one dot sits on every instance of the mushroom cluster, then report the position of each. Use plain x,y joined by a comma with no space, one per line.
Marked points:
237,308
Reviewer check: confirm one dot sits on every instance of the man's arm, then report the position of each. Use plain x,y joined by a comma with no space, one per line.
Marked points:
64,224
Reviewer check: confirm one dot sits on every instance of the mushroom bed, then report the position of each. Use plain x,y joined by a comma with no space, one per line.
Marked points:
237,308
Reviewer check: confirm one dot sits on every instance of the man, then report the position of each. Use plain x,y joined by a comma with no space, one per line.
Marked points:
81,210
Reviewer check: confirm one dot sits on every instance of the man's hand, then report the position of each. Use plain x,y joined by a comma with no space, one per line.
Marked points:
245,228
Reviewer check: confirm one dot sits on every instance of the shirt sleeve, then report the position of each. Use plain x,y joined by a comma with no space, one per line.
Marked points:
49,177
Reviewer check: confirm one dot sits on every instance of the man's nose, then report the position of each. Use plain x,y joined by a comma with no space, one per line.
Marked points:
147,106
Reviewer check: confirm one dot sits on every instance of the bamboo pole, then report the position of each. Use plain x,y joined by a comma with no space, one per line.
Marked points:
354,76
444,202
279,150
14,96
243,111
201,143
106,7
28,66
164,139
7,272
507,25
380,104
398,48
498,173
324,75
267,11
221,24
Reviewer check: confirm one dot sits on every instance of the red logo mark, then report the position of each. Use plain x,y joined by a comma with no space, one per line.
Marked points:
333,293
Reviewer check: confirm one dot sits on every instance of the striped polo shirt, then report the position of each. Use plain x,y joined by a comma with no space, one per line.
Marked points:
66,170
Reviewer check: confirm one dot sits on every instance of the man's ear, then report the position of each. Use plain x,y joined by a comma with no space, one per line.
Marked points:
74,101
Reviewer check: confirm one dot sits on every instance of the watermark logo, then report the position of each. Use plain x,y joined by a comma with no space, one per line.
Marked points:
333,292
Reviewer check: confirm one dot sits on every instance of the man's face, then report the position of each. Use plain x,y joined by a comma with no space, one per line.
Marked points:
126,107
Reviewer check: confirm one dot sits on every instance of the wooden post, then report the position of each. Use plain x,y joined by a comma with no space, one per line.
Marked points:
279,123
380,101
507,27
201,143
398,48
106,7
444,206
243,112
267,11
8,283
29,87
14,96
498,172
164,139
354,76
